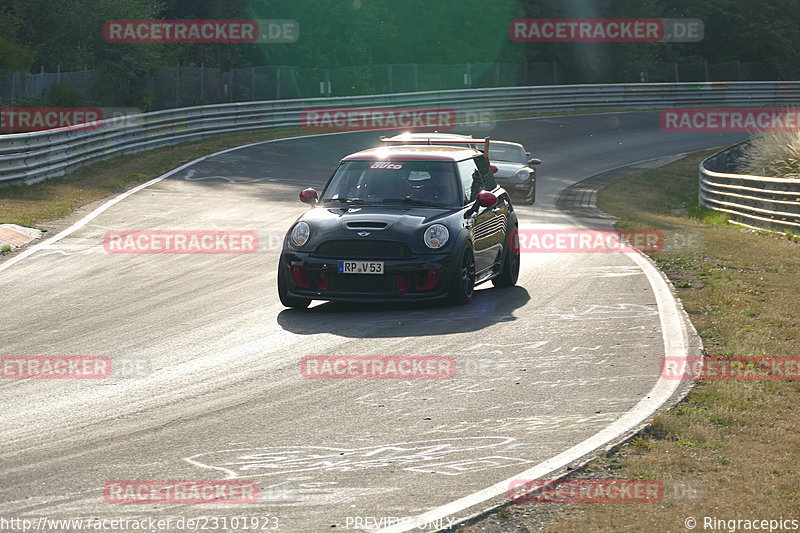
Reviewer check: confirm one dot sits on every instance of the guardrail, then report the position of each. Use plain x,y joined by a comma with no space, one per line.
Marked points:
754,201
33,157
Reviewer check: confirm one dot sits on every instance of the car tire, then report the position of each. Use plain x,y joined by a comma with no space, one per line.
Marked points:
530,198
509,272
463,284
283,292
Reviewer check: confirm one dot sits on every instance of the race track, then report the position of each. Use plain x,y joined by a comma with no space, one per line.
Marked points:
208,382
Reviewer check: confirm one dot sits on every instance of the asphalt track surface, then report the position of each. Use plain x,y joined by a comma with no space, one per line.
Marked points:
207,383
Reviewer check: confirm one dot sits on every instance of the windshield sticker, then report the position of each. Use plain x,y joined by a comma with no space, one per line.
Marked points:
388,165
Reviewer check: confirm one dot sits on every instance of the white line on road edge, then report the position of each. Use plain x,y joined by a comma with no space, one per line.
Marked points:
676,342
91,216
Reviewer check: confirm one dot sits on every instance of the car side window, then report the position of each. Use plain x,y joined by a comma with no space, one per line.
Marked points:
486,173
471,180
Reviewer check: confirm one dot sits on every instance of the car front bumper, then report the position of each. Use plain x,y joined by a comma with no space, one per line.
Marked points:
418,278
515,187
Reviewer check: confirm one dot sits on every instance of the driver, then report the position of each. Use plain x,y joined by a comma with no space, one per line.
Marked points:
440,186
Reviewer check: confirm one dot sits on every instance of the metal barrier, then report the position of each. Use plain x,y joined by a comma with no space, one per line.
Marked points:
753,201
33,157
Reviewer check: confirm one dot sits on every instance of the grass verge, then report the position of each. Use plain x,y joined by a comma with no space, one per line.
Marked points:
731,449
28,205
734,446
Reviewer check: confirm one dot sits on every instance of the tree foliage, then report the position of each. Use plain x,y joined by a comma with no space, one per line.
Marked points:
341,33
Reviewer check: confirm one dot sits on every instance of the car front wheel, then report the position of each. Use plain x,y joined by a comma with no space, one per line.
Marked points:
464,278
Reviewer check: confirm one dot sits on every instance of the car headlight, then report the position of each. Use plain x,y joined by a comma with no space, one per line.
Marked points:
436,236
523,175
300,234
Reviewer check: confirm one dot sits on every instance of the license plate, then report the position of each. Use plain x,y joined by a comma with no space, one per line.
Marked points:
360,267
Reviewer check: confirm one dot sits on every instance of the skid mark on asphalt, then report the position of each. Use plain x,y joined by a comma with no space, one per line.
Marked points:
449,457
538,425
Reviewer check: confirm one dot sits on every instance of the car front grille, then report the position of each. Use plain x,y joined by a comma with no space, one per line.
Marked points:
362,249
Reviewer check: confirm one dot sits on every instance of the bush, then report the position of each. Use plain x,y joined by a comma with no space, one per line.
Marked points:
63,96
775,154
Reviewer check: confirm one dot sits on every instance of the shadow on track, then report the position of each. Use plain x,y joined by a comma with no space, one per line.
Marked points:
373,320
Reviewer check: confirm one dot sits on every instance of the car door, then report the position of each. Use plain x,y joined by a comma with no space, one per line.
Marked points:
501,211
486,225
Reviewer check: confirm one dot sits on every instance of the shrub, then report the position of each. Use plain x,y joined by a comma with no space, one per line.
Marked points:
775,154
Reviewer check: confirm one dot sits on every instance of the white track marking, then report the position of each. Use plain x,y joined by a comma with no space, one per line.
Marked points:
190,177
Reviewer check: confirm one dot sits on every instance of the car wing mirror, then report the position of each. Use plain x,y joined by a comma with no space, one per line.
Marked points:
309,196
535,161
487,199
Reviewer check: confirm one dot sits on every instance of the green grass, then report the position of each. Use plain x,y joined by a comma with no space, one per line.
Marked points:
739,440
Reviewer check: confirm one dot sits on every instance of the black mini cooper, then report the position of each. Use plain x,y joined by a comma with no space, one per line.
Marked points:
401,223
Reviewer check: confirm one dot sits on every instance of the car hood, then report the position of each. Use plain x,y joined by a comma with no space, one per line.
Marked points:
374,216
506,170
378,223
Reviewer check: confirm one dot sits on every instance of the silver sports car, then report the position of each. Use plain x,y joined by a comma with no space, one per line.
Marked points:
516,171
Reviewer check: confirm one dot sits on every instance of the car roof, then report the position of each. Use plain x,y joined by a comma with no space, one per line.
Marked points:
415,152
491,142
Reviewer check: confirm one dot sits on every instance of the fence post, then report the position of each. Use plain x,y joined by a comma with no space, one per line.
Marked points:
389,69
555,73
705,68
252,83
739,69
202,81
675,68
13,87
416,77
278,83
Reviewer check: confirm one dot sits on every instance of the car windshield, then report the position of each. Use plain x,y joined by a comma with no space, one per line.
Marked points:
386,182
510,153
